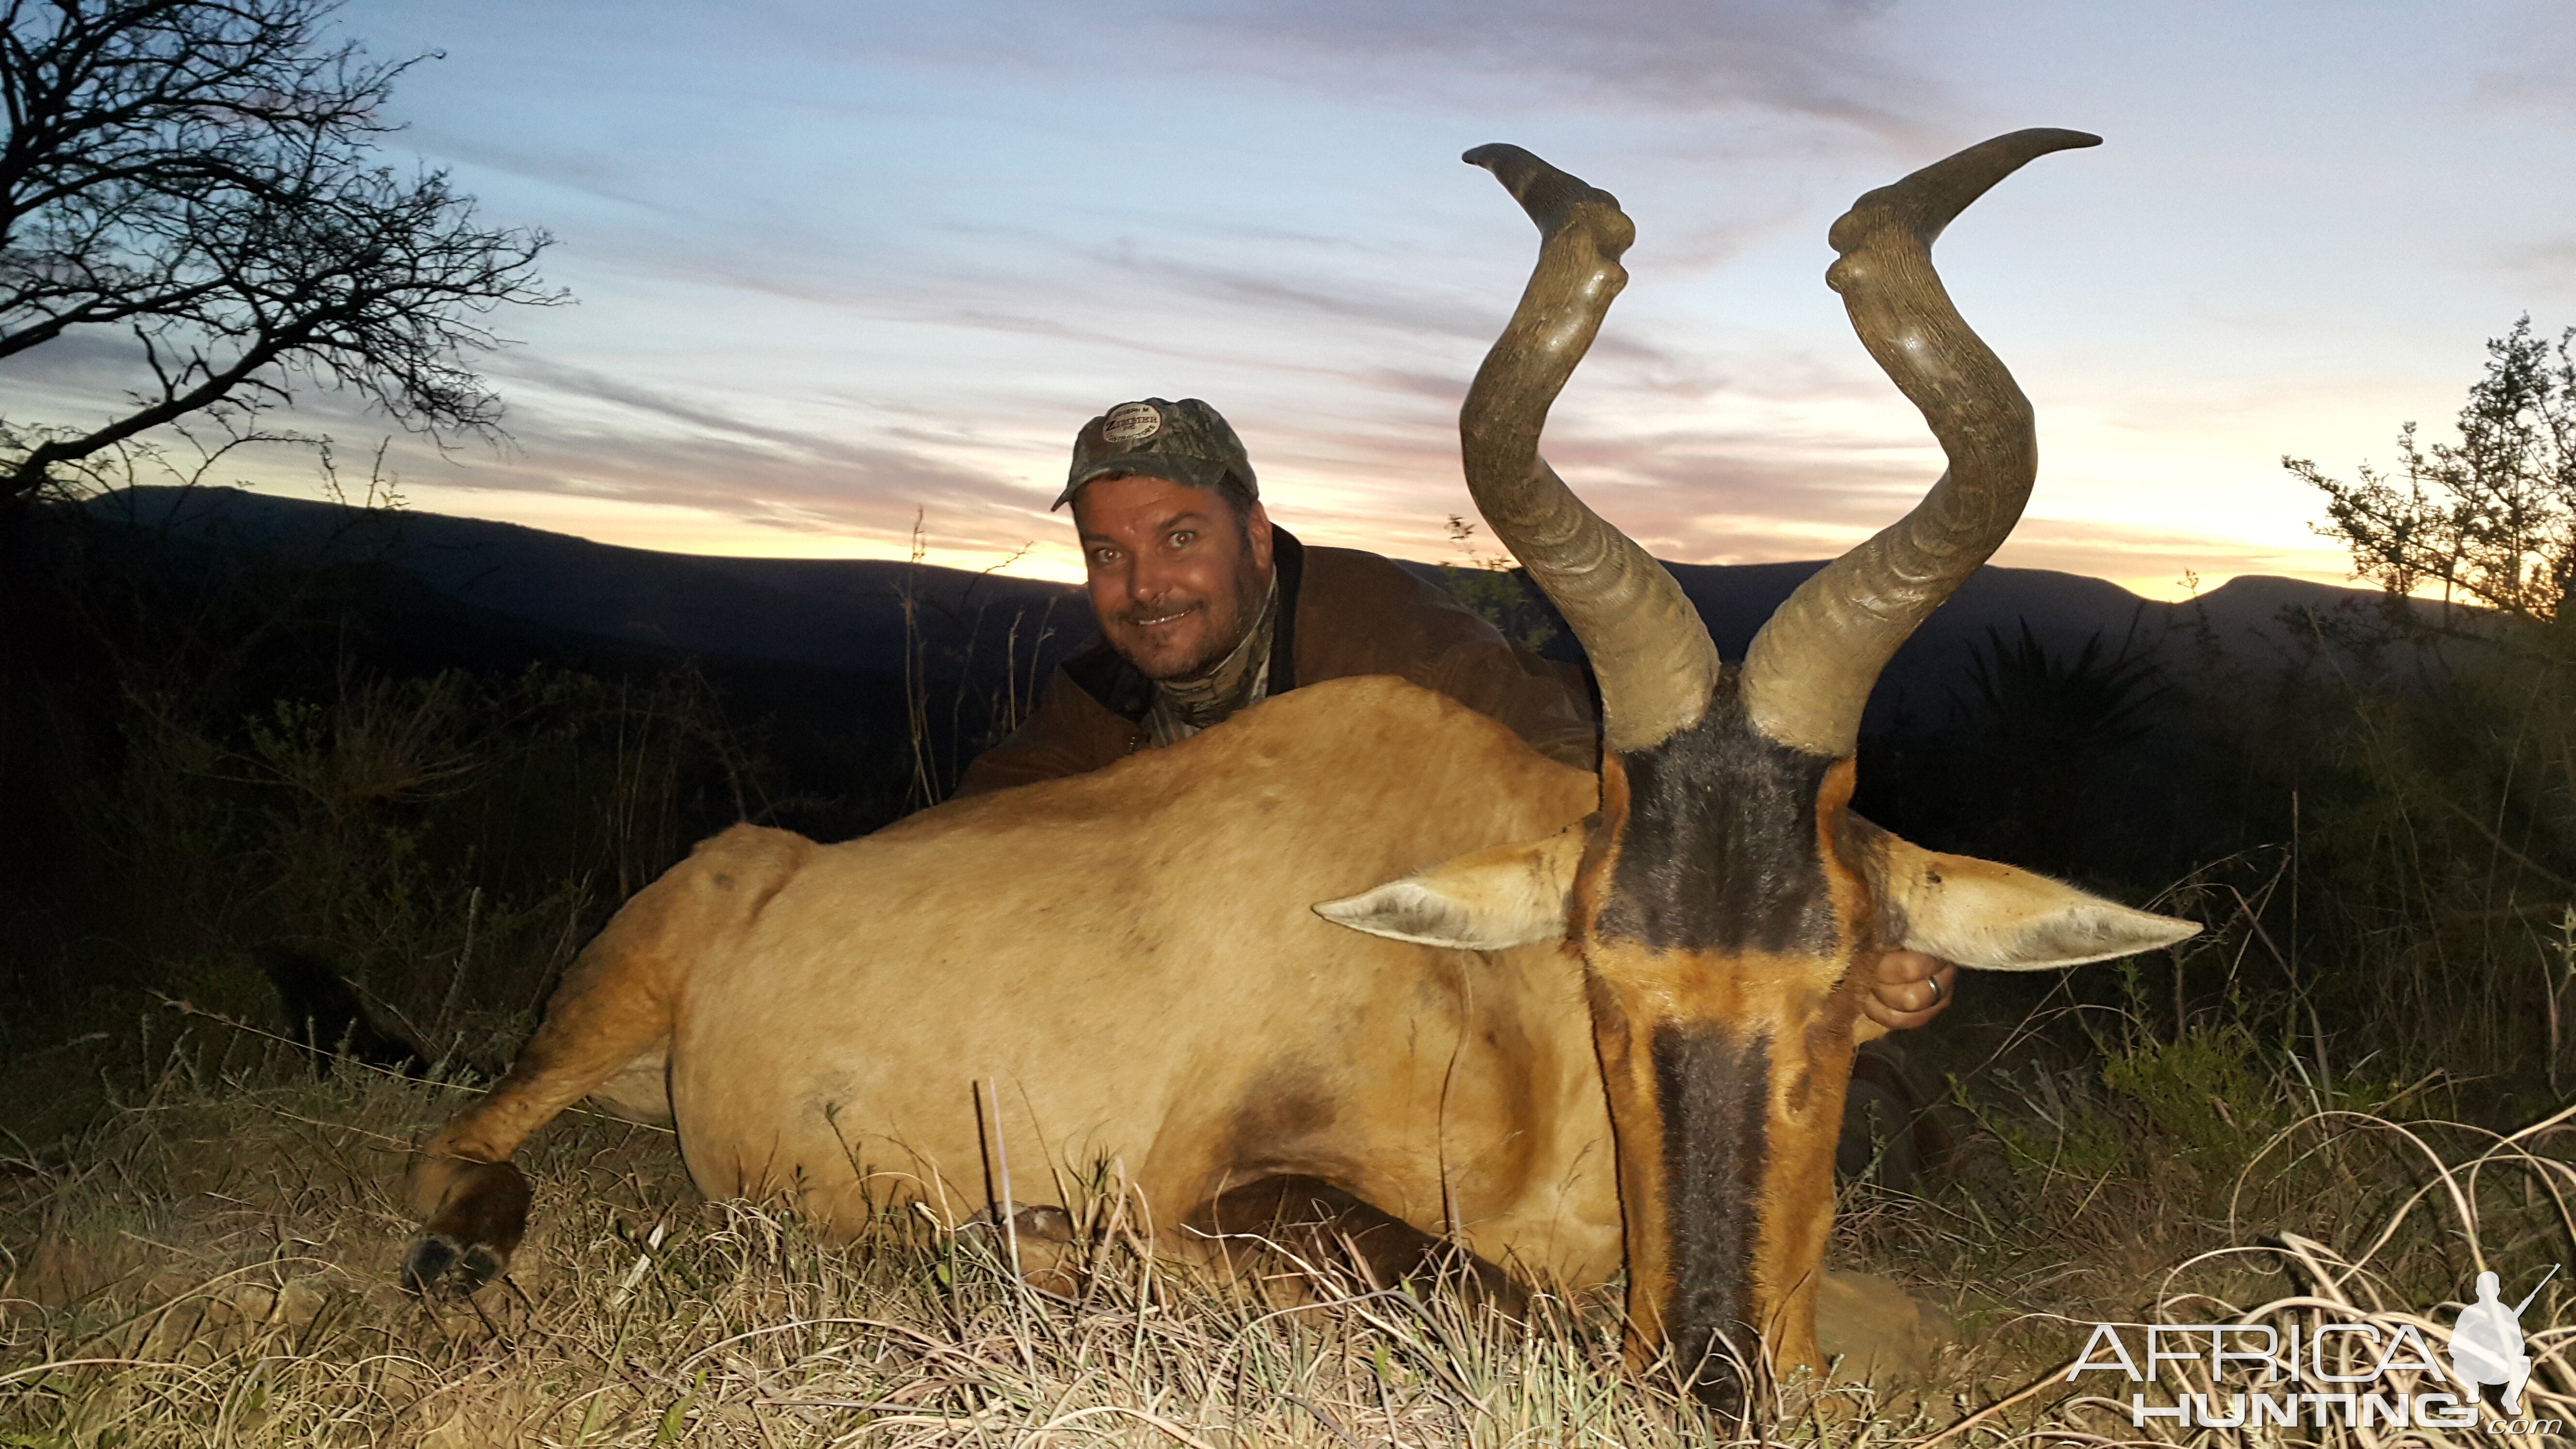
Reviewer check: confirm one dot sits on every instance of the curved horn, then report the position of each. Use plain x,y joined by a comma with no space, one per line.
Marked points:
1809,672
1649,649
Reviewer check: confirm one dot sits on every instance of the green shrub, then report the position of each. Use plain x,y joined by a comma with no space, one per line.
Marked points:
2203,1093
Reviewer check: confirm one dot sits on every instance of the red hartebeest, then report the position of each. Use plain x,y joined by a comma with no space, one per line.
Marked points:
1614,1026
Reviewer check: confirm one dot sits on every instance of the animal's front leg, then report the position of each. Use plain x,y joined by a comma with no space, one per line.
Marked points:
1318,1224
614,1006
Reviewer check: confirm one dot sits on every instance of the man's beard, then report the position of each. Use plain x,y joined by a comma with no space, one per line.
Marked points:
1225,631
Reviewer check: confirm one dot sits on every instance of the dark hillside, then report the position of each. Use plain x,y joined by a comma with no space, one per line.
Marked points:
847,615
823,614
812,655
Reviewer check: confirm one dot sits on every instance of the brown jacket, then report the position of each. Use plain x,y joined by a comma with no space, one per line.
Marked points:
1341,612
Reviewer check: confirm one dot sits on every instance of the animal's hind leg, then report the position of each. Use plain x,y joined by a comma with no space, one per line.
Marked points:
1322,1223
615,1003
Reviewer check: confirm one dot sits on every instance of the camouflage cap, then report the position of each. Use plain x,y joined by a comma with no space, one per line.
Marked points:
1185,442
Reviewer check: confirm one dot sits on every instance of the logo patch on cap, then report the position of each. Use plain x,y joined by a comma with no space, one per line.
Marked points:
1132,423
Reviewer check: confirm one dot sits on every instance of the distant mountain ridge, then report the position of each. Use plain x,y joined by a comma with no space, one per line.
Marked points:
848,615
825,613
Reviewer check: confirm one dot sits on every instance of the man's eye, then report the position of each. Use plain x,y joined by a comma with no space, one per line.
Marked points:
1183,539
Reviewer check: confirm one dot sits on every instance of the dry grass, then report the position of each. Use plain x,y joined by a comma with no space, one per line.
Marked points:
213,1265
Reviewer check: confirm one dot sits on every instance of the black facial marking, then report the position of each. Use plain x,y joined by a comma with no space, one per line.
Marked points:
1712,1088
1719,853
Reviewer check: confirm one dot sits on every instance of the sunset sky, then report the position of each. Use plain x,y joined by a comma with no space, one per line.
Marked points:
839,263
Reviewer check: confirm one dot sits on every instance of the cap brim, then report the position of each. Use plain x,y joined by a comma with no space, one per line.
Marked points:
1188,472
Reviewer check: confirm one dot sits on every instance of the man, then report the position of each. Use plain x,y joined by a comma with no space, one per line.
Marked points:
1206,607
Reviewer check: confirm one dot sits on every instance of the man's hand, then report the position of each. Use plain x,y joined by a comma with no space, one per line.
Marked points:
1909,990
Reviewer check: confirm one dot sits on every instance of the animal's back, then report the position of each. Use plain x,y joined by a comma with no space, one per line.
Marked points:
1131,957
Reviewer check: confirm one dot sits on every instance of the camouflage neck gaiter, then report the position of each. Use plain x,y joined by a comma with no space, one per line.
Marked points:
1183,707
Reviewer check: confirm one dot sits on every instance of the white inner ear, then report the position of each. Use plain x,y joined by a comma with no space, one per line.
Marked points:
2072,937
1488,901
1997,918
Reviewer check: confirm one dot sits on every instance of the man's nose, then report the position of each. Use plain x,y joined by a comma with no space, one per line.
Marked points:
1148,581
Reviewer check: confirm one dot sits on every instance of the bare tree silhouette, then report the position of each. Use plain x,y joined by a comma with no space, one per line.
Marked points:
197,183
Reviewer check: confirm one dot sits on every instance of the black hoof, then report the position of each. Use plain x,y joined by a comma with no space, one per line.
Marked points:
1038,1223
467,1241
438,1265
1045,1223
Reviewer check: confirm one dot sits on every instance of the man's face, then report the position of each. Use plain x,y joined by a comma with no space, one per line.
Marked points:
1174,582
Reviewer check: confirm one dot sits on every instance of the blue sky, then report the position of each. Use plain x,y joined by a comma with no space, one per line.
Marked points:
839,264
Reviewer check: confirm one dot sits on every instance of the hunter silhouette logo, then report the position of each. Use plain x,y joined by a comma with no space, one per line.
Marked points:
2486,1344
2273,1370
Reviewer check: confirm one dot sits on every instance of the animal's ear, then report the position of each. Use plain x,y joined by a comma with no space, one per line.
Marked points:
1513,895
1996,918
